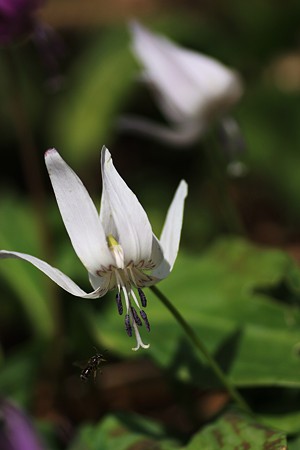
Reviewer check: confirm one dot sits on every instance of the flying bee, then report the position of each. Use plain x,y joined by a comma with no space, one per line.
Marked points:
91,366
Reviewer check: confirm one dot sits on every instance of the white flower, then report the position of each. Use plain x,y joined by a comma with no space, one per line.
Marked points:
192,89
117,247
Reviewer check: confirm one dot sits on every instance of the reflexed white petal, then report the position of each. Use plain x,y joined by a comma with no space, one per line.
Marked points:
176,137
134,231
189,83
170,236
79,214
56,275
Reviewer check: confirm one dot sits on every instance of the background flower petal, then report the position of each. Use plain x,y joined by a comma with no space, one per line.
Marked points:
177,136
189,83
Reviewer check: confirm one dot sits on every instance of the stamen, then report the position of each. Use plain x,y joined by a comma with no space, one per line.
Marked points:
136,317
121,283
128,327
142,297
145,319
119,303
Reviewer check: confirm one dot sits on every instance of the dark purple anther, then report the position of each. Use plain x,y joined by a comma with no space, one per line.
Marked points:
128,326
145,319
136,317
119,303
142,297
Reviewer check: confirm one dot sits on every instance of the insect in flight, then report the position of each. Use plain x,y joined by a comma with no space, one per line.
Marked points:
91,366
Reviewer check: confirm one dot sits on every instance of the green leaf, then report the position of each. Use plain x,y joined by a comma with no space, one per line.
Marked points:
233,431
18,232
123,431
289,422
85,117
294,443
253,336
129,431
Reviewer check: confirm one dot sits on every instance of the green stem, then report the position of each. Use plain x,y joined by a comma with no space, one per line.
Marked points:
218,174
201,347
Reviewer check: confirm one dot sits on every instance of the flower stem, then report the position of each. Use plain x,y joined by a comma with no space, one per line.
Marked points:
201,347
218,174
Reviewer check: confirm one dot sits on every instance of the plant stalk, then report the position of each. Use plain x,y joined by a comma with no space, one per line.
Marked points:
219,178
201,347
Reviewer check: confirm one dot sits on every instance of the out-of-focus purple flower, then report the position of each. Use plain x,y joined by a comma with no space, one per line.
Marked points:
16,430
17,19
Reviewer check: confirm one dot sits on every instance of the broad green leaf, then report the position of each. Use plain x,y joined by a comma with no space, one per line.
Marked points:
294,443
18,232
233,431
98,84
123,431
253,336
289,422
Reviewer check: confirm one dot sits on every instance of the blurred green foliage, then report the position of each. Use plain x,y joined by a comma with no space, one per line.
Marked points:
98,84
226,296
124,432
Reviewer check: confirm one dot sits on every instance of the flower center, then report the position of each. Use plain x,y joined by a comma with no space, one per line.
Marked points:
127,278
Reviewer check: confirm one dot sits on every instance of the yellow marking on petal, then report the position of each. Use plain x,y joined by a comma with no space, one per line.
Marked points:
111,241
117,251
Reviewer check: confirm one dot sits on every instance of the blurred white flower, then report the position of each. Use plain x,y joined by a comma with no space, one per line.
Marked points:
192,89
117,246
